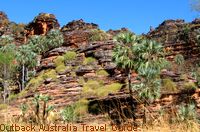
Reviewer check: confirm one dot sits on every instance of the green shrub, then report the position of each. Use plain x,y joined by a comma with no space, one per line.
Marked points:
59,61
98,35
60,68
105,90
69,56
35,82
89,88
169,85
102,73
179,59
189,86
68,114
89,61
81,107
76,111
186,113
50,74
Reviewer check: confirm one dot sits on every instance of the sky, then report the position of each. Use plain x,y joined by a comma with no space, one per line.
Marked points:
137,15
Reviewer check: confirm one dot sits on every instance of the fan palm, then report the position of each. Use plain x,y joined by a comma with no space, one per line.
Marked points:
123,53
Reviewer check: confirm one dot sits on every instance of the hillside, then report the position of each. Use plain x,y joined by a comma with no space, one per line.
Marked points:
82,71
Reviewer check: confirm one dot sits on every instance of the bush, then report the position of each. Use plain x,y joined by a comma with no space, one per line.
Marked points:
96,89
69,56
187,114
59,61
89,61
98,35
189,86
68,114
60,68
102,73
50,74
74,112
179,59
81,107
105,90
169,85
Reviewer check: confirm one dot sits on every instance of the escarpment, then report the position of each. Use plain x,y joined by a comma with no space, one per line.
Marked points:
82,68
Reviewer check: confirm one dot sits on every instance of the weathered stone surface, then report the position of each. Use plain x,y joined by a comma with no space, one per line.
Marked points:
178,37
41,24
77,33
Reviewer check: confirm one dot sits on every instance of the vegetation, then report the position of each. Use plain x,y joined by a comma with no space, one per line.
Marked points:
89,61
69,56
102,73
169,85
98,35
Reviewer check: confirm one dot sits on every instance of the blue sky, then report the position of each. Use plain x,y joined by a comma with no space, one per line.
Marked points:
137,15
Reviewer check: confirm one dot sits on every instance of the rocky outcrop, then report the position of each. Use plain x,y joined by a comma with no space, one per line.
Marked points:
178,37
42,24
77,33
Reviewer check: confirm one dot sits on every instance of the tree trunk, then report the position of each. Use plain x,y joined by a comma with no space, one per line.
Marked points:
5,86
26,77
22,77
129,83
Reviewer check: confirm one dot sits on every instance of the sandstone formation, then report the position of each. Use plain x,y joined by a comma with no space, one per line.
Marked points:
66,79
178,37
42,24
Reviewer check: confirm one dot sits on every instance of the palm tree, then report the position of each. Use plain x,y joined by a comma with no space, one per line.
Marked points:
26,58
149,62
7,56
54,39
123,54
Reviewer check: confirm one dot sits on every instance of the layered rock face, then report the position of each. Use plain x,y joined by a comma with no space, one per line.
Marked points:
42,24
77,33
178,37
65,80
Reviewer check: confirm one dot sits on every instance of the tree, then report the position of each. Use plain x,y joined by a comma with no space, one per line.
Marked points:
123,54
26,59
144,56
7,57
42,44
149,62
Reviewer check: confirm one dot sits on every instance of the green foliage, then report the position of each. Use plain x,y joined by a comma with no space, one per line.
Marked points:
169,85
98,35
26,56
42,44
189,86
74,112
68,114
35,82
69,56
59,61
89,61
50,74
123,53
95,88
102,73
60,65
148,91
179,59
186,113
105,90
81,107
6,39
60,69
